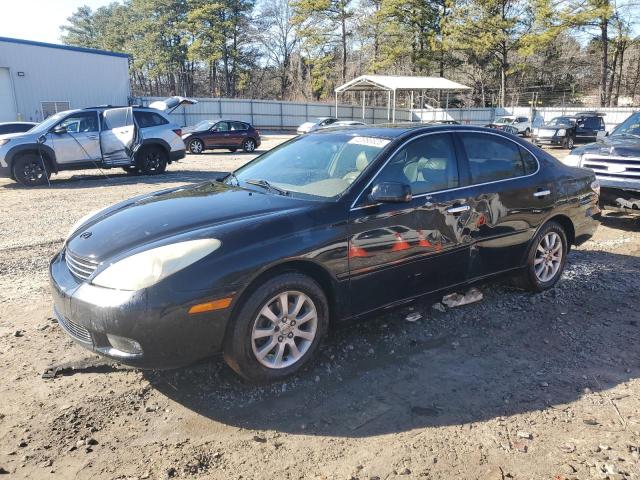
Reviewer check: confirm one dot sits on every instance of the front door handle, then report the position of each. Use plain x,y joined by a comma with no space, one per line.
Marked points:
542,193
92,137
460,209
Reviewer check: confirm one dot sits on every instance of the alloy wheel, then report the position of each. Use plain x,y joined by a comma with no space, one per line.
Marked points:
284,329
548,259
33,172
196,146
249,145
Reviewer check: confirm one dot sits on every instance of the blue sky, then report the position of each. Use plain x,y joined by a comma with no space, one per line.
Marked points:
39,19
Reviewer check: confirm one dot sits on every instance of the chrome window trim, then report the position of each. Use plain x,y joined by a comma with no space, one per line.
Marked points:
353,207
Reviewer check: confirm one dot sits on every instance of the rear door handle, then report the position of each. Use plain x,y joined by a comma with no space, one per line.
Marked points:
460,209
542,193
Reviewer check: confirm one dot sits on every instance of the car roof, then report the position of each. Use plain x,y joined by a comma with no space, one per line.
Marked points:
392,131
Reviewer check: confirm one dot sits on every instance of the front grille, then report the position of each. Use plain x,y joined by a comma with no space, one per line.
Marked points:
76,331
80,267
613,167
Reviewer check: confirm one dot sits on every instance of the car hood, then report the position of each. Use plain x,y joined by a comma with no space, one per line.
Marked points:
14,135
174,215
555,127
305,127
614,146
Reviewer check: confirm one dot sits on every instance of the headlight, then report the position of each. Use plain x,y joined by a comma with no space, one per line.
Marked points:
83,220
147,268
4,141
572,160
561,132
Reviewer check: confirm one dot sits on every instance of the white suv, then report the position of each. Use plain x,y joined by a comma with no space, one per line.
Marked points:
512,122
137,139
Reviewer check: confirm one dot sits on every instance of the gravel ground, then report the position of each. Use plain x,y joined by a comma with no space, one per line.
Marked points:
517,386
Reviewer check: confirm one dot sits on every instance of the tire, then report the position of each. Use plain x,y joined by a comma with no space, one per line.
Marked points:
249,145
527,132
233,150
31,170
152,160
244,341
196,146
570,143
536,278
131,170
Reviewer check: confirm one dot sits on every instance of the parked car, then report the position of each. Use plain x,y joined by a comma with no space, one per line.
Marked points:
137,139
521,124
16,127
443,122
307,127
343,123
228,134
615,159
566,131
328,226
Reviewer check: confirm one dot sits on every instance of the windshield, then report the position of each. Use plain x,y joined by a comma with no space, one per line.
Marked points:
631,126
48,123
314,165
504,120
203,125
560,121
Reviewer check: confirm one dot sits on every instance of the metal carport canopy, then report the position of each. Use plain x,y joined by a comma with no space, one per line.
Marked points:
391,84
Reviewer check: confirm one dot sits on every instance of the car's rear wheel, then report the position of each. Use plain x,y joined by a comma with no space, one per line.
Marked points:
527,132
249,145
196,146
152,160
546,259
278,328
31,170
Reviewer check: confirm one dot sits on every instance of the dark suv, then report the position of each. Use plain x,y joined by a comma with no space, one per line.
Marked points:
615,159
227,134
567,130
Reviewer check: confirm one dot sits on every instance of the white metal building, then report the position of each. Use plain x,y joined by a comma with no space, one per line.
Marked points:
39,79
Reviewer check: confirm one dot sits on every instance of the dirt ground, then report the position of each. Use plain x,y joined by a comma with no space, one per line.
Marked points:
518,386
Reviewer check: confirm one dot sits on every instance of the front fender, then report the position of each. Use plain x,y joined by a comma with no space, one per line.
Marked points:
30,147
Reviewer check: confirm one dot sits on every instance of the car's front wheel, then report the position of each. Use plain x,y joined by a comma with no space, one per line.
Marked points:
570,142
152,160
196,146
546,259
527,132
31,170
249,145
278,328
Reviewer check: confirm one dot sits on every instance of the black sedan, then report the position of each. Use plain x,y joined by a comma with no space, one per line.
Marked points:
15,127
326,227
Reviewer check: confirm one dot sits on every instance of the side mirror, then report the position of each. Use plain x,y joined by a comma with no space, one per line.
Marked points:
59,129
391,192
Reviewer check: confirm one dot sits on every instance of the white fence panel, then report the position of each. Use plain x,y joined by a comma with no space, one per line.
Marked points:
273,114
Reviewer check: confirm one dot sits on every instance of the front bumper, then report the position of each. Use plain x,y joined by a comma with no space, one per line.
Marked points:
157,318
553,141
620,198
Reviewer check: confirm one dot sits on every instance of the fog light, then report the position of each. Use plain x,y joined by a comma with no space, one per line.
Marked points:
125,345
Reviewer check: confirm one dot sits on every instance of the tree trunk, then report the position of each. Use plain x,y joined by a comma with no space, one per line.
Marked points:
616,97
604,57
344,43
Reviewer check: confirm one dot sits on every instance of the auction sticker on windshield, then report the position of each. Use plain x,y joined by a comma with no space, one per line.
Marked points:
369,141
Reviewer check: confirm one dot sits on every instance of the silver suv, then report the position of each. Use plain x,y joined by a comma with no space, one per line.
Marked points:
137,139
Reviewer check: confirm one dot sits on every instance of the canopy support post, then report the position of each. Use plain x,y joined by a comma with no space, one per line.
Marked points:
393,113
411,109
388,106
336,104
364,100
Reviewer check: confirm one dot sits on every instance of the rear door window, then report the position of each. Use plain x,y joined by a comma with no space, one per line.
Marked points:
492,158
238,126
